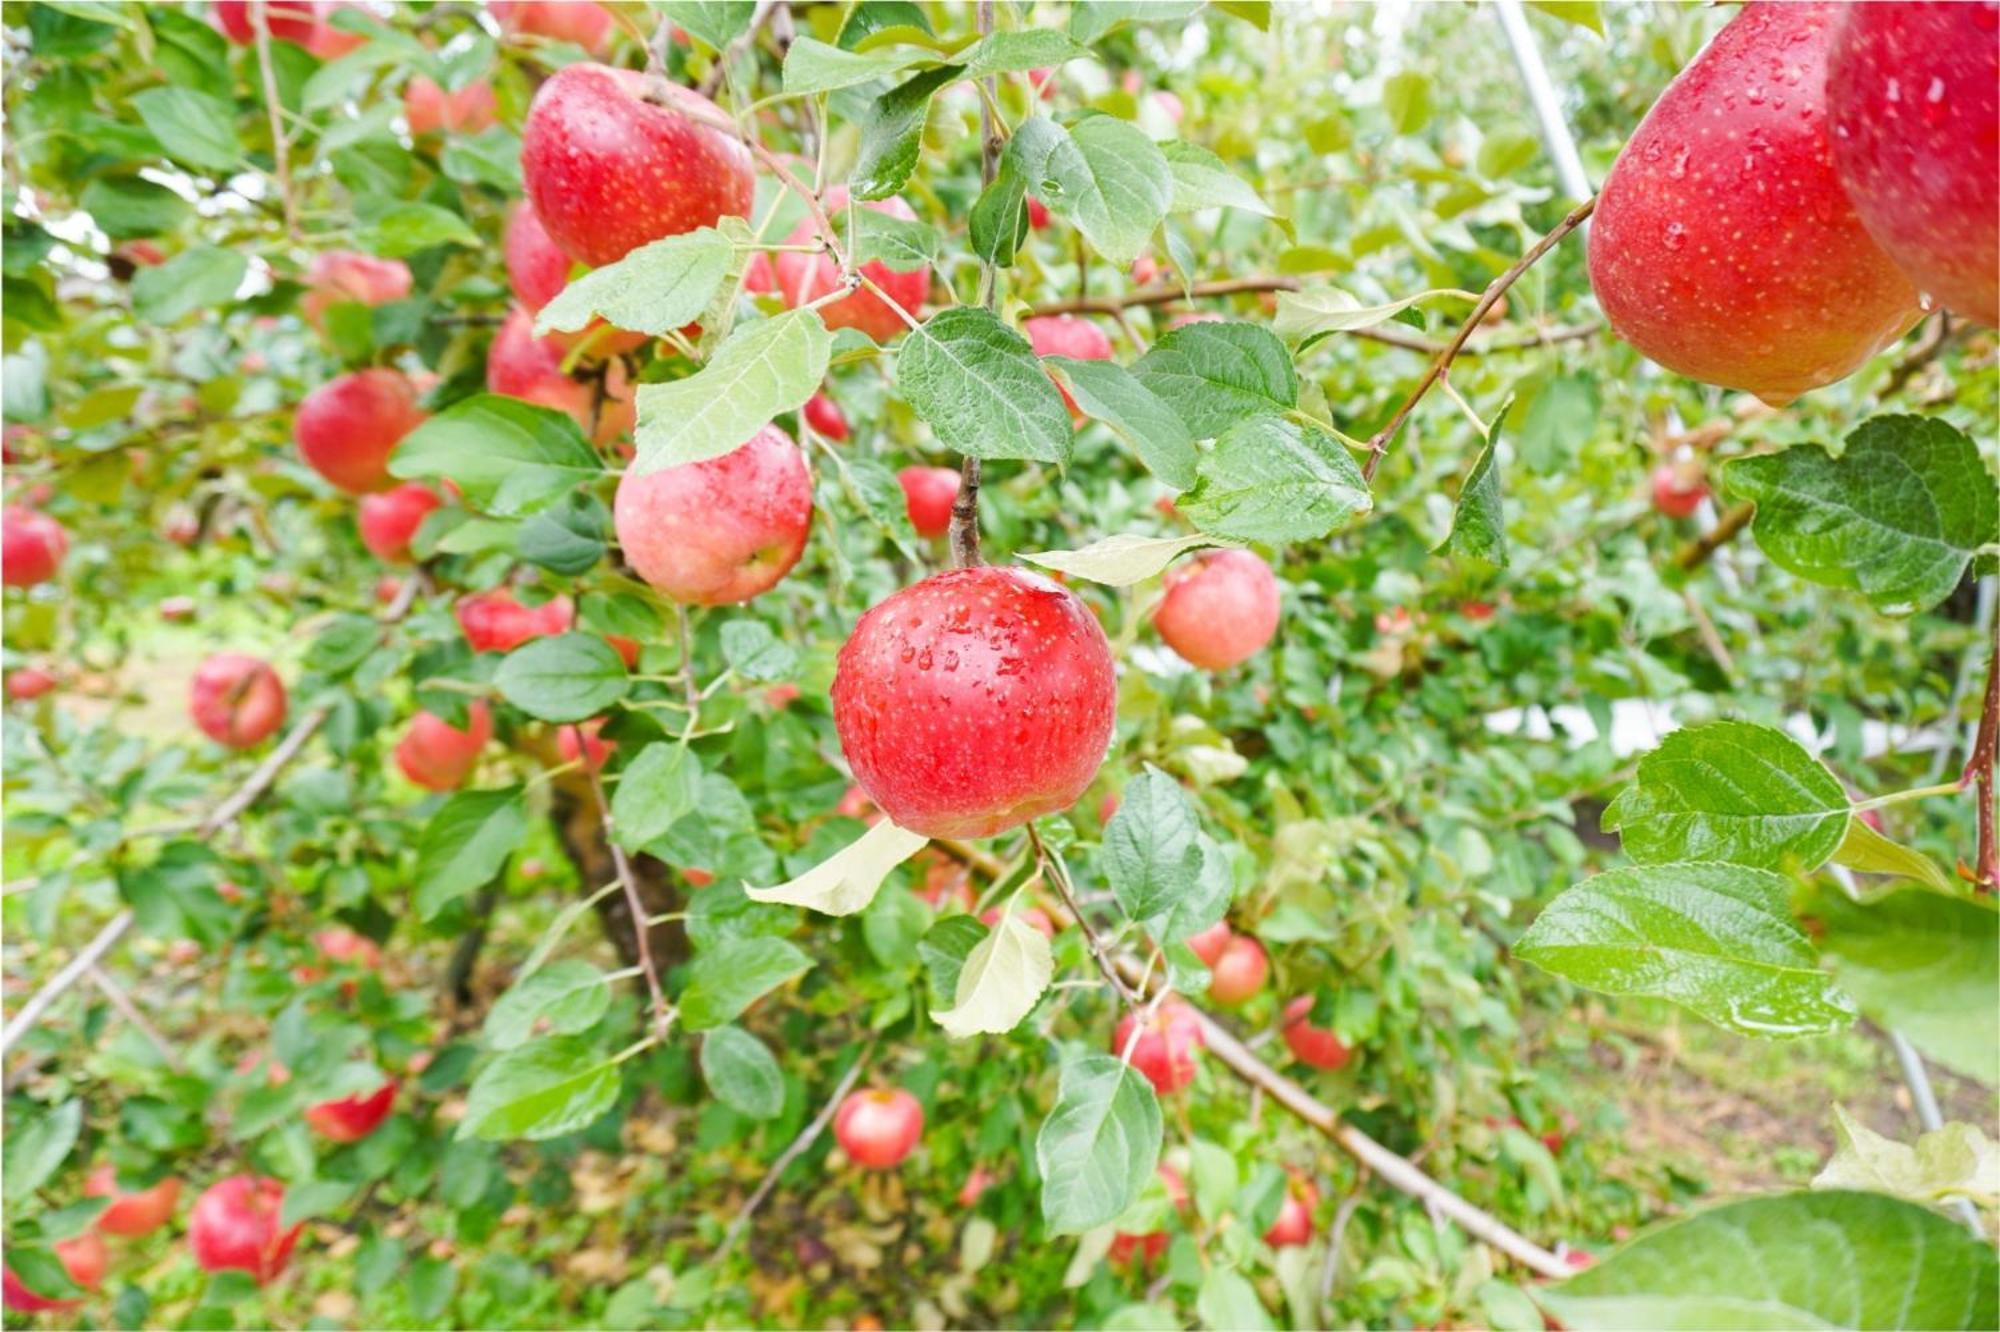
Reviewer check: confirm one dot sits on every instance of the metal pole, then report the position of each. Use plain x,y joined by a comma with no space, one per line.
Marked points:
1542,94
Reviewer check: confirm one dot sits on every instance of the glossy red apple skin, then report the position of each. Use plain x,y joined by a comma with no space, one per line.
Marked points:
1149,1246
928,494
234,1227
347,427
1220,608
1677,495
878,1128
1317,1046
803,278
82,1256
1067,335
608,170
974,701
495,621
439,756
824,415
389,519
579,22
236,699
295,21
521,365
430,109
1913,90
718,532
1166,1046
1238,974
538,270
338,276
1294,1223
30,682
1723,245
593,748
352,1118
32,546
140,1212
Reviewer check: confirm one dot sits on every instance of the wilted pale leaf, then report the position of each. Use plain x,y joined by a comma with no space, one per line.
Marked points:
848,880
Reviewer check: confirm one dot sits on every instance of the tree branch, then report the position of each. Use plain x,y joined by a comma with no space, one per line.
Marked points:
280,147
1980,772
807,1136
1734,520
964,531
662,1014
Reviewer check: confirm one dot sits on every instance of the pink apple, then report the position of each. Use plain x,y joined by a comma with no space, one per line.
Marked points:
236,699
331,43
928,494
338,276
494,621
82,1256
538,270
1238,975
823,415
30,682
1166,1045
139,1212
352,1118
234,1227
1032,916
1066,335
32,546
390,519
1210,943
439,756
878,1128
295,21
722,531
593,748
347,427
521,365
579,22
803,278
1317,1046
1219,610
429,108
1678,491
1294,1224
1149,1246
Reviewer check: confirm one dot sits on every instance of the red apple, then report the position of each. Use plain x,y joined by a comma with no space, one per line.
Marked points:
352,1118
1678,490
1723,246
1066,335
521,365
439,756
878,1128
141,254
82,1256
1032,916
593,749
697,878
1038,213
236,699
494,621
339,276
928,494
778,697
537,271
390,519
609,170
975,700
29,682
758,276
331,43
294,21
1317,1046
1195,317
976,1183
823,415
1220,608
803,278
1238,975
234,1227
139,1212
1149,1246
1166,1045
1145,269
1294,1224
579,22
32,546
722,531
429,108
1913,93
347,427
1210,943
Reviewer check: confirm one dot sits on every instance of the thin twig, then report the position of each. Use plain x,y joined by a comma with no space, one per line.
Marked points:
807,1136
1920,355
1378,446
1059,876
1341,1216
662,1014
742,43
74,970
280,147
130,1012
1986,867
1734,520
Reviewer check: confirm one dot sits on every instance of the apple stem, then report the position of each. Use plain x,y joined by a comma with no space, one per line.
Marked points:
965,516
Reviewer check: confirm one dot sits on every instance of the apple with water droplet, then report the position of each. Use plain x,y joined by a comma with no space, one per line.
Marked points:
720,531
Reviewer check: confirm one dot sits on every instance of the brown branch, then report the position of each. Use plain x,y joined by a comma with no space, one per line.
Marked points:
1379,444
1980,772
964,531
662,1015
1920,355
280,148
715,75
1060,878
807,1136
1696,552
130,1012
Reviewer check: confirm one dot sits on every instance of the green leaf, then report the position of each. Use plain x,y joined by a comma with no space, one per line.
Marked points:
569,996
128,206
726,979
1000,981
309,1198
814,67
848,880
1099,1146
743,1074
344,644
1587,14
1717,939
1407,99
1955,1161
1864,849
1317,311
1257,13
1114,395
1228,1302
1478,522
200,278
979,386
194,128
657,789
41,1271
568,537
1275,480
943,951
892,134
1925,965
33,1152
1124,559
892,926
755,653
1091,19
1105,177
508,456
1898,516
716,22
491,158
762,370
465,844
1012,52
402,229
568,678
1800,1260
1217,375
659,288
542,1090
902,243
1152,853
1203,180
1734,791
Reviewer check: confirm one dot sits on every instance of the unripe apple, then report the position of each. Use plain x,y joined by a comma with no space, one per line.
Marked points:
30,682
1066,335
439,756
1210,943
347,427
1913,92
430,109
1220,608
521,365
389,520
494,621
236,699
928,494
803,278
1149,1246
823,415
32,546
295,21
1317,1046
1678,491
593,749
1032,916
1294,1223
878,1128
609,170
139,1212
538,270
722,531
1724,246
352,1118
579,22
1239,973
234,1227
975,700
339,276
1166,1045
82,1256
